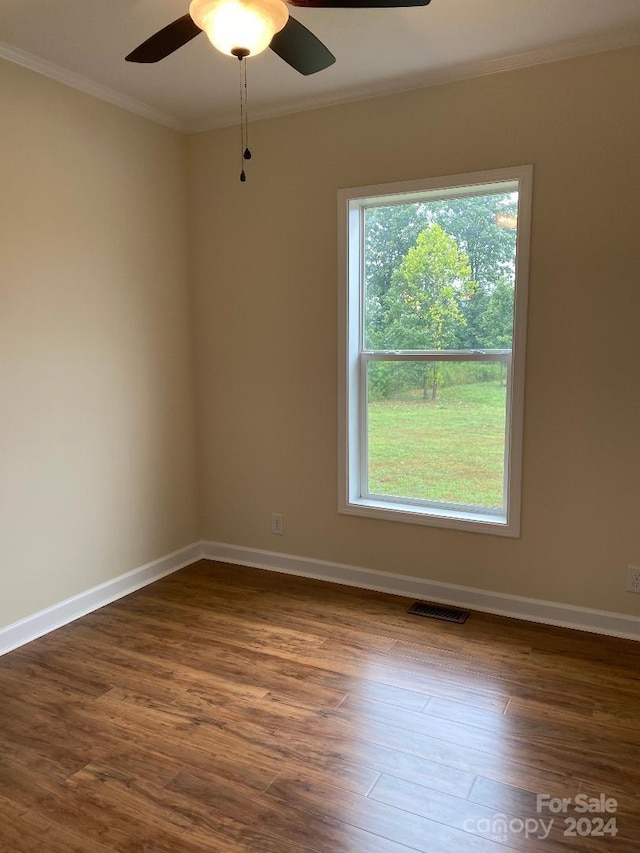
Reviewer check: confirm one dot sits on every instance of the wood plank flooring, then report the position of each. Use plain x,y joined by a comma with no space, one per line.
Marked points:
229,710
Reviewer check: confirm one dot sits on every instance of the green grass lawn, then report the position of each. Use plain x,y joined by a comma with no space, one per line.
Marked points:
451,450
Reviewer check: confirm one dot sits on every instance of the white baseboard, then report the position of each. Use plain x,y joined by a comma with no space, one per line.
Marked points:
530,609
22,632
502,604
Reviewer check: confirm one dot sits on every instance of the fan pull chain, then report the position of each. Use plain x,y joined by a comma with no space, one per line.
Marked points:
245,153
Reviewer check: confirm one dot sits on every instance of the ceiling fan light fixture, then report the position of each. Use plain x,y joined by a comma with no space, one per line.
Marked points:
240,25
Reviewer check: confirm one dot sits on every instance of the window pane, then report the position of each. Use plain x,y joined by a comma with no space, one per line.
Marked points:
440,274
436,431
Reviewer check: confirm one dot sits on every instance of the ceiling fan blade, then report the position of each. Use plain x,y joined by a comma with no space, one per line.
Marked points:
356,4
301,49
165,41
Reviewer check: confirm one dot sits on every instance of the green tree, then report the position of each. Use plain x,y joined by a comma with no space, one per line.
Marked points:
422,305
497,319
472,221
491,252
390,232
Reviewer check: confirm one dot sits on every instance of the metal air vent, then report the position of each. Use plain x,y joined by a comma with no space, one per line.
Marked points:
439,611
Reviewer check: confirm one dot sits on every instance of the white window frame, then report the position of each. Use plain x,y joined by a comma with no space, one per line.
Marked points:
353,498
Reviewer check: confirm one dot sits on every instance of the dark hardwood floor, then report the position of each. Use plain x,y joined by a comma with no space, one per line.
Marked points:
225,709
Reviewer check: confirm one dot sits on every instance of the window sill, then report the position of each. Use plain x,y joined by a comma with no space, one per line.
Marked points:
456,519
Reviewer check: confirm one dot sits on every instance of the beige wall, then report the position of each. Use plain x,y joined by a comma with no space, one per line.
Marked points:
96,404
265,270
97,449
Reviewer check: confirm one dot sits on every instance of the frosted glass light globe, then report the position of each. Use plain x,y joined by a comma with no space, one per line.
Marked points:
239,25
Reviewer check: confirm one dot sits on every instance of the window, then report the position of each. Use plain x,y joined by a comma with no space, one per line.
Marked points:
433,278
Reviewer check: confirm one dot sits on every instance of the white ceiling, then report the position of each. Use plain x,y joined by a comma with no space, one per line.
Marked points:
84,42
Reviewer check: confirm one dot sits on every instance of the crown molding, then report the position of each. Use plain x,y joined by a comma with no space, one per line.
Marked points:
88,87
438,77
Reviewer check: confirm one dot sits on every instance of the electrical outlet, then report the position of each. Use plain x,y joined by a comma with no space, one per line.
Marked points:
633,579
277,525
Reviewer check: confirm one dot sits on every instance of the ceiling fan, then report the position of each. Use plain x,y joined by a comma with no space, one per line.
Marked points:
244,28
